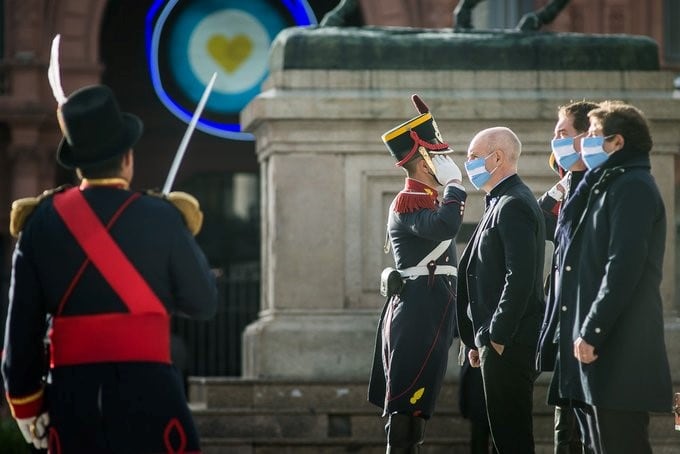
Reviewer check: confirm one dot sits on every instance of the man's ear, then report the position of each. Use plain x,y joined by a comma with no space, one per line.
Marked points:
423,167
619,141
500,157
127,158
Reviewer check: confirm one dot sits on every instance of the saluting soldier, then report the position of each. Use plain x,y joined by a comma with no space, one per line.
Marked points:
98,270
417,325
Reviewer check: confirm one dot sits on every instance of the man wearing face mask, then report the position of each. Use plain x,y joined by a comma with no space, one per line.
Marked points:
500,291
571,126
417,325
612,231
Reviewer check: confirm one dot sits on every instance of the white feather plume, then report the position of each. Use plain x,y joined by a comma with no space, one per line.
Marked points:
53,72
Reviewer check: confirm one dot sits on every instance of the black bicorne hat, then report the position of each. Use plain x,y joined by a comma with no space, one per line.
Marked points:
405,140
94,128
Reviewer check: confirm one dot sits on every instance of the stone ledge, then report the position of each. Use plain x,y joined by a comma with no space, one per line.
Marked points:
431,49
339,80
340,113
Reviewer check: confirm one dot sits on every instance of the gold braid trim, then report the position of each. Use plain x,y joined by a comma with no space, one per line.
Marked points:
187,205
27,399
23,208
121,182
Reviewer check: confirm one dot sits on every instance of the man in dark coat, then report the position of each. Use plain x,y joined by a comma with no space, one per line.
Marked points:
417,325
500,290
612,354
571,126
97,271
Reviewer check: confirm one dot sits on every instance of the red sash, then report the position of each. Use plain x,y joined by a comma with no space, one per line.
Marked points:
142,334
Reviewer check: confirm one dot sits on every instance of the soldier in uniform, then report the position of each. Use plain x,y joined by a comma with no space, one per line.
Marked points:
417,325
97,272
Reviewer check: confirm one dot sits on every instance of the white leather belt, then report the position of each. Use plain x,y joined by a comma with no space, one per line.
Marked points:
416,271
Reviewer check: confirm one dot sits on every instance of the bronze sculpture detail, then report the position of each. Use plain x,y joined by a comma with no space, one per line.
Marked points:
347,13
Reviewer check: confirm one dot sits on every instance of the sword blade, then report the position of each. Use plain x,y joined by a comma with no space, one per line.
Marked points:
187,135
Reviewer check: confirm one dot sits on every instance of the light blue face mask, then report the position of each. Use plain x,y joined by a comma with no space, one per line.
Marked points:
592,152
477,172
564,152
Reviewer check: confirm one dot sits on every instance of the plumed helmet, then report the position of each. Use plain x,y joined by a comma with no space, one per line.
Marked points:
420,135
94,128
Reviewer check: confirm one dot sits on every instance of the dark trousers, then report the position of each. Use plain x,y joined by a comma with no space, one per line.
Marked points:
480,438
473,407
590,438
621,432
572,434
119,408
567,433
508,387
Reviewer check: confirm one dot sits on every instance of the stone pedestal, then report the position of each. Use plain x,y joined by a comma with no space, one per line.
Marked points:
327,179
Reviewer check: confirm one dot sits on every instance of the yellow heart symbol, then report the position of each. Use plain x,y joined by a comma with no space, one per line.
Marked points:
230,53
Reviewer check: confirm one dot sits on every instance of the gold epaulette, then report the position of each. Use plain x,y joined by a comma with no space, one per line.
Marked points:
188,206
23,208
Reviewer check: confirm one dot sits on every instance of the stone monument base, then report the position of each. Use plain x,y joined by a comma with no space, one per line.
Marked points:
328,180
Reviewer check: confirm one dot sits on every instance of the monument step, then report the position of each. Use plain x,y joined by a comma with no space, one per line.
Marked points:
432,445
324,425
234,392
257,416
334,446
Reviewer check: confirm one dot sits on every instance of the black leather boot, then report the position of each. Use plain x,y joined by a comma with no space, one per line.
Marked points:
405,434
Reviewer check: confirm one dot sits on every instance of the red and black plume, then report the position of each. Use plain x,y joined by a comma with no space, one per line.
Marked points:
421,107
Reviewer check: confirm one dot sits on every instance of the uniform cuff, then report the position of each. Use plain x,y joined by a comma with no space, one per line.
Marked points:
26,406
456,185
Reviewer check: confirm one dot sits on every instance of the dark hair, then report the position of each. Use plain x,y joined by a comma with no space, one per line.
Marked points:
104,169
578,111
410,165
617,117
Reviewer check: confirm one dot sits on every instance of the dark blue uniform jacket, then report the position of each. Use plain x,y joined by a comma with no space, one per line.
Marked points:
417,326
104,406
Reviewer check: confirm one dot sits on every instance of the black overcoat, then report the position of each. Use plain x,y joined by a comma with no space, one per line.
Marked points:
500,285
547,344
610,295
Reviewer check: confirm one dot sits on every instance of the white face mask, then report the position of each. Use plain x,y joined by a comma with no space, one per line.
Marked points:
564,152
477,173
592,151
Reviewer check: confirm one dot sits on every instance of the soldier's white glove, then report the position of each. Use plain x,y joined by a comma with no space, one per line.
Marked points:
446,170
34,430
558,191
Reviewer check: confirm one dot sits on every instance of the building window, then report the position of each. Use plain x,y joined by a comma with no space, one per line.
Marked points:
671,32
231,240
3,70
231,206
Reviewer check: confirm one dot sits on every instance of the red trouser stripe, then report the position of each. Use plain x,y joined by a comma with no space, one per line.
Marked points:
110,338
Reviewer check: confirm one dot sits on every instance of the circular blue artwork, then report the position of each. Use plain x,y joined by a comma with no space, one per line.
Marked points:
188,41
